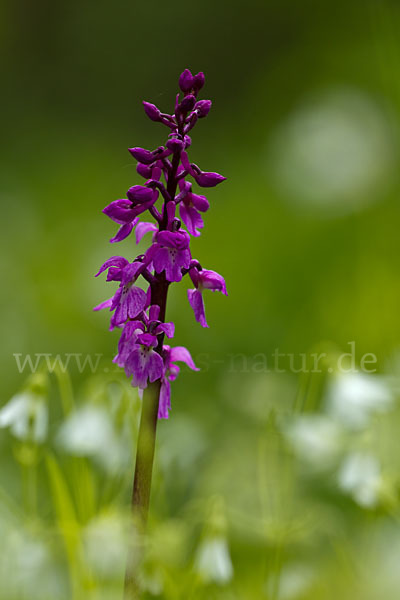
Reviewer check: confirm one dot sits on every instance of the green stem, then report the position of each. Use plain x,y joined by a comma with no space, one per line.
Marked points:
145,452
142,482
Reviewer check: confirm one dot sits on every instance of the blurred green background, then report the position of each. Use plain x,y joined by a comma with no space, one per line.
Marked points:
276,485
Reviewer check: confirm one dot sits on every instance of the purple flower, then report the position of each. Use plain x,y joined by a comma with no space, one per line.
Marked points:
129,300
145,323
138,194
116,263
154,325
170,253
190,206
203,280
121,211
125,212
203,178
136,348
143,363
171,372
127,341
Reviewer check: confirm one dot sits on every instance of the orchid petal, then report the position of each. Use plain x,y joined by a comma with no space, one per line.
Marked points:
167,328
155,366
120,211
205,179
123,231
136,301
154,312
191,218
196,302
164,404
142,228
114,261
105,304
182,354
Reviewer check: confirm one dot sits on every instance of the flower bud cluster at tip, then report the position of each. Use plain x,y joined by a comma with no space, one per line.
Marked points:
169,178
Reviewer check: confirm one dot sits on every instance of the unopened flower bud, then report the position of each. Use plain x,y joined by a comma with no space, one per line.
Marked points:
187,104
203,108
175,145
186,81
139,194
142,155
144,170
209,179
198,81
152,111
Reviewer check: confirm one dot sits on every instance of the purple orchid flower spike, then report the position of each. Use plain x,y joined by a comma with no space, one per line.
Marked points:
203,280
139,314
169,177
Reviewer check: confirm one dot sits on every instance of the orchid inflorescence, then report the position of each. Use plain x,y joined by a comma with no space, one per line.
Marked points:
141,315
